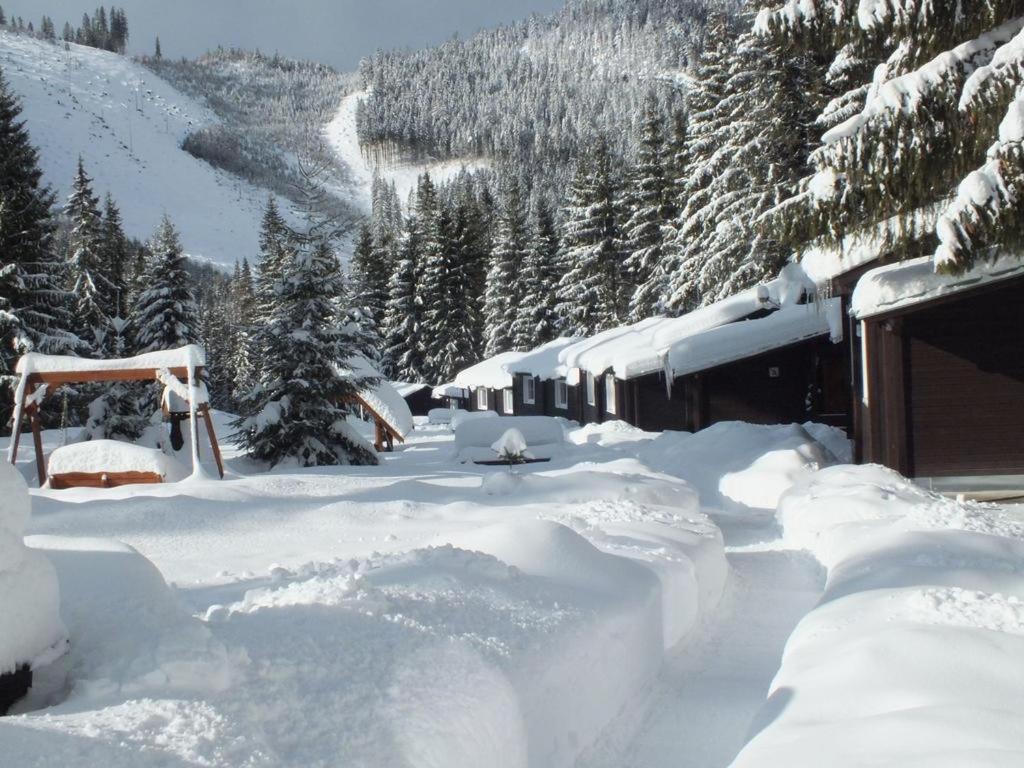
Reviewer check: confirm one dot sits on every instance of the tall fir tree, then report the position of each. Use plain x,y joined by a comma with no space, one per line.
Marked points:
165,315
651,211
536,319
34,305
93,291
369,270
403,317
594,290
502,296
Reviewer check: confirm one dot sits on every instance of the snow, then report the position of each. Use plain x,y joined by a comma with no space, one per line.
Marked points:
459,416
442,415
511,443
546,360
405,388
913,656
382,397
898,286
29,593
127,124
98,456
536,431
343,139
184,357
388,615
748,338
492,373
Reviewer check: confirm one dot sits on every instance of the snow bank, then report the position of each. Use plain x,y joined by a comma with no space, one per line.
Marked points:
442,415
32,632
96,456
897,286
610,433
737,466
915,655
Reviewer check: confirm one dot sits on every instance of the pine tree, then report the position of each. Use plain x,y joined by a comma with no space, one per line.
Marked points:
370,272
94,293
593,293
651,212
34,306
502,296
274,253
3,17
165,315
157,53
116,259
297,409
403,317
536,319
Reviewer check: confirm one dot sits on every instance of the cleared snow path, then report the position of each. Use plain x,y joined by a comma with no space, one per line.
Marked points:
702,710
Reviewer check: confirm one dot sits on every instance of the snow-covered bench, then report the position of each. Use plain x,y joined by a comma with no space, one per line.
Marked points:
475,438
110,463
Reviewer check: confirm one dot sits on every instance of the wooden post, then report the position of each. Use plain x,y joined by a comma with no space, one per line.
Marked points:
37,439
16,437
214,446
378,430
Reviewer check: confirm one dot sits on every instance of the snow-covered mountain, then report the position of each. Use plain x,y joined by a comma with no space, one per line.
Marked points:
128,124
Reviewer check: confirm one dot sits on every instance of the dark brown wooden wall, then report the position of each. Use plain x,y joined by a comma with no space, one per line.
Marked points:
420,402
522,408
966,385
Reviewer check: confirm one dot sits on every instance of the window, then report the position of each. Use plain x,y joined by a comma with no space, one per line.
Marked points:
591,389
481,399
561,394
609,393
507,405
529,390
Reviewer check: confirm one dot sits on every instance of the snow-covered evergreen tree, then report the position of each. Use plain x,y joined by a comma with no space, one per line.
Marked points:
403,316
370,271
503,295
297,411
165,315
594,292
34,305
926,144
536,320
651,212
94,294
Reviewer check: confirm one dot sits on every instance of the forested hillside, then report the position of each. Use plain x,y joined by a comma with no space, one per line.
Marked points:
536,93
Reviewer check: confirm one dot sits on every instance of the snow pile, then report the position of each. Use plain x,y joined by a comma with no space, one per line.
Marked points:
442,415
896,286
32,632
475,438
738,467
609,434
511,444
98,456
127,125
915,655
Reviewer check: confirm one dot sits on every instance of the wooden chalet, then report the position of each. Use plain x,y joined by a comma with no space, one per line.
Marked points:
417,396
940,373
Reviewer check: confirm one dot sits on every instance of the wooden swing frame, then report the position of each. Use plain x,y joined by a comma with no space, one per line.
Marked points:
29,406
385,435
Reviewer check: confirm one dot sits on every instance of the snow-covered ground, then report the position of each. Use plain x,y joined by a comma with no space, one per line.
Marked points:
625,604
343,138
127,124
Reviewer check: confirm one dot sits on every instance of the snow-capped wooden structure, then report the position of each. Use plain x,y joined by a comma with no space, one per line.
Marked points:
382,402
179,370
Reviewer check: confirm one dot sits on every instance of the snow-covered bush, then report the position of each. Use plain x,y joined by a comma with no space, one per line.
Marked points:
511,447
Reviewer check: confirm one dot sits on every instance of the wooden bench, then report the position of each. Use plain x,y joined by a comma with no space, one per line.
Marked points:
102,479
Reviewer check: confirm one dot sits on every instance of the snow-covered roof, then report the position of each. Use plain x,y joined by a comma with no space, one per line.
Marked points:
897,286
406,388
183,357
642,348
449,389
382,397
492,373
735,341
546,361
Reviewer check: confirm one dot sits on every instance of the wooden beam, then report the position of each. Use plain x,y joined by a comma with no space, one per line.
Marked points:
37,439
16,437
108,374
214,446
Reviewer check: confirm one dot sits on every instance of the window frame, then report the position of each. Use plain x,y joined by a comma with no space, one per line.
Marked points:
562,394
591,389
610,391
481,394
508,404
529,390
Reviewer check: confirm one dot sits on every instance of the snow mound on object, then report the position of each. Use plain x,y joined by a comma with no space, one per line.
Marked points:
29,594
609,433
128,632
483,433
738,467
442,415
461,417
98,456
916,654
511,443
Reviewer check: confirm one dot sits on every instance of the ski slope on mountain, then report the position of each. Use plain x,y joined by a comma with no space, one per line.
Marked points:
343,138
127,124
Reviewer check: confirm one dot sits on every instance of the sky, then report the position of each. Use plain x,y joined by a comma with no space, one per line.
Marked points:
337,32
